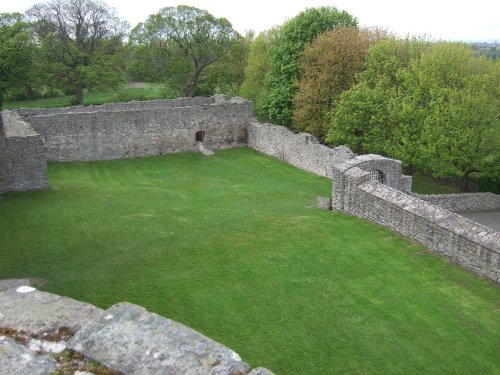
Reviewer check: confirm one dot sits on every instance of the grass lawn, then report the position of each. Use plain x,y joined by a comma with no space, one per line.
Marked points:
425,184
127,93
230,246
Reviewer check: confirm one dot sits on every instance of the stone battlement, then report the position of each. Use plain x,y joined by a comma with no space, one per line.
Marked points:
35,326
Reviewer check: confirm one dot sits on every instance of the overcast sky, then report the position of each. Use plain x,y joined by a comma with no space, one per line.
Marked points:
477,20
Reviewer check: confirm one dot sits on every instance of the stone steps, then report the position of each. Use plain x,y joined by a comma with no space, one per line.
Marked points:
126,337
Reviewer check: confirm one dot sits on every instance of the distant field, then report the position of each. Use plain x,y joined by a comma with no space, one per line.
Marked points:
133,91
424,184
232,246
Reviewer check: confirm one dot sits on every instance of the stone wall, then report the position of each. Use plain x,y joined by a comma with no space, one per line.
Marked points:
463,202
140,128
301,150
461,240
23,164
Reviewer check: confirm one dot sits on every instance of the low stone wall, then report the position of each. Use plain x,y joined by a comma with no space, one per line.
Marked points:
140,128
301,150
23,164
463,202
473,246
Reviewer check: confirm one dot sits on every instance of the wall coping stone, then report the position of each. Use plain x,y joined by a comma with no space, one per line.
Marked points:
125,337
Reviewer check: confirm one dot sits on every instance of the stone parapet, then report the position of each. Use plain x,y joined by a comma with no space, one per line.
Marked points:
126,338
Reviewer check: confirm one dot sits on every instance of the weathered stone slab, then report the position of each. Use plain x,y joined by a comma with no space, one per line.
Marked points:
16,359
135,341
27,309
324,202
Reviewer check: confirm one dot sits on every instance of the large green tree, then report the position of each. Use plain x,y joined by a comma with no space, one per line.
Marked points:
434,106
80,44
369,117
15,53
284,71
177,45
257,67
328,67
457,97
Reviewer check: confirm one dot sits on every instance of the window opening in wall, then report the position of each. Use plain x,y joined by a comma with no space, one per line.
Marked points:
200,136
377,175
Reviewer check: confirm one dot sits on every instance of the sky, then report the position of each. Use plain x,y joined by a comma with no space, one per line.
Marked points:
457,20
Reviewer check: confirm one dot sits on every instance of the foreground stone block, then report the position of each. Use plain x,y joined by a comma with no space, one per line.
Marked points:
131,339
29,310
16,359
260,371
6,284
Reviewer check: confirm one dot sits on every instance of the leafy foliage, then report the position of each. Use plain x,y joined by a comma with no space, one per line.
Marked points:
226,76
328,67
177,44
80,44
434,106
284,55
15,53
257,67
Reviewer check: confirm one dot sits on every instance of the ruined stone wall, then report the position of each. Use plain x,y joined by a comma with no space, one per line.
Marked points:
463,202
473,246
23,165
301,150
140,128
149,104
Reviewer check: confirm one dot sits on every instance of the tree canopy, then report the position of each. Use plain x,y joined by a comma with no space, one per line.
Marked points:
283,71
80,43
257,67
328,67
432,105
15,53
177,44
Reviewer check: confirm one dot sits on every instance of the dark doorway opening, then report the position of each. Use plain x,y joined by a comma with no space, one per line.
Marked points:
200,136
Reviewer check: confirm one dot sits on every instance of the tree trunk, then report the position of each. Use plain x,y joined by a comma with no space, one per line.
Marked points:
193,84
1,120
28,89
465,181
79,94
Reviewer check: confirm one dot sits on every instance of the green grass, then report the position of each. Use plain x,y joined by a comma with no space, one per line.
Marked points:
425,184
124,94
229,246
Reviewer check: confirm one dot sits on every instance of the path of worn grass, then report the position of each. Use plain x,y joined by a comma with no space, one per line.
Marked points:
227,246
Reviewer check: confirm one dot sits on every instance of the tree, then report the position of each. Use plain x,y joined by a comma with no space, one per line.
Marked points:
80,43
434,106
226,76
458,95
181,42
15,54
328,67
370,117
283,71
257,67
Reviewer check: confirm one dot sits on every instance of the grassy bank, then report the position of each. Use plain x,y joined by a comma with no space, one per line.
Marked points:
230,246
93,97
